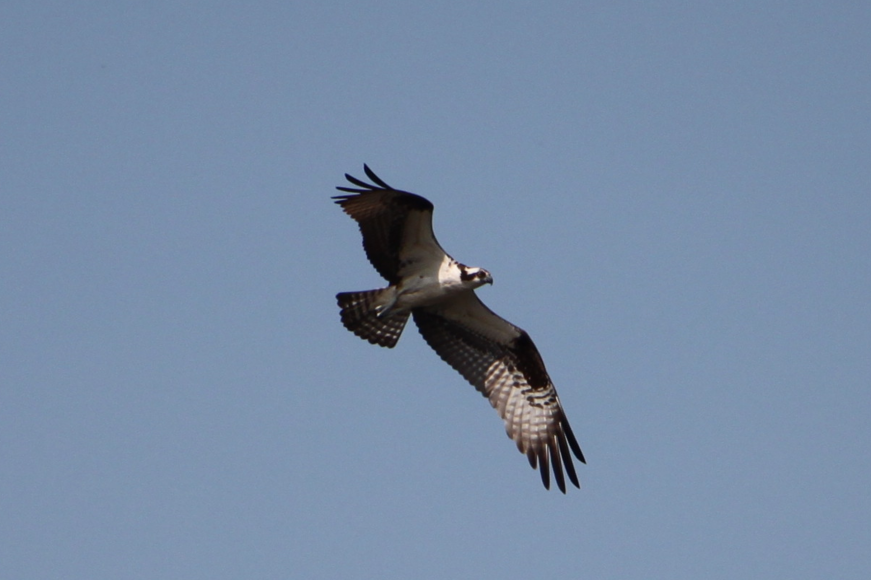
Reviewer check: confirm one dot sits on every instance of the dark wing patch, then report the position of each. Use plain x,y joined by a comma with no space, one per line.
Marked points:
511,375
382,213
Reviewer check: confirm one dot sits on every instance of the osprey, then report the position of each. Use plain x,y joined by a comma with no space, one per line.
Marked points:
495,356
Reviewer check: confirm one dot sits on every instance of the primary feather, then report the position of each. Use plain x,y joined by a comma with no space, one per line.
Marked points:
496,357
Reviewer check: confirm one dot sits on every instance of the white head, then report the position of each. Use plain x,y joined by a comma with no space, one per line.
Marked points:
474,277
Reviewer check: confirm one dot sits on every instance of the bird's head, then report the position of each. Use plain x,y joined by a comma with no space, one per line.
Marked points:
475,277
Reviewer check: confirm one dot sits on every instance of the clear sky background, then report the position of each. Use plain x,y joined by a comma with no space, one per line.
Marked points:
674,199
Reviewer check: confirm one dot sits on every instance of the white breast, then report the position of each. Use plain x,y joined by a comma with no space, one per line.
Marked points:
426,283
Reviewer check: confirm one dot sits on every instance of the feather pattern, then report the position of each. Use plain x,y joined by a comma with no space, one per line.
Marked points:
383,214
501,361
360,317
496,357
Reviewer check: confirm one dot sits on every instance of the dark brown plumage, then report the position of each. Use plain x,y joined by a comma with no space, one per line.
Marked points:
496,357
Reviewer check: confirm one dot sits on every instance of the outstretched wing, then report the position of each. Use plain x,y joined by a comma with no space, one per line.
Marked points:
396,225
501,361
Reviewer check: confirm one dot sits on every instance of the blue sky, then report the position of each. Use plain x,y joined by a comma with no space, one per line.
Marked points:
674,200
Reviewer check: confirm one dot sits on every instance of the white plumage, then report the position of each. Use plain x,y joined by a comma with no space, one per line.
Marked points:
495,356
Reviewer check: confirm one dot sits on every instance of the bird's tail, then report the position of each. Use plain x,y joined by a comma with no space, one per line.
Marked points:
360,315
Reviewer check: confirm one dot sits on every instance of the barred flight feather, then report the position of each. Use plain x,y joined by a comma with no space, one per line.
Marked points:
496,357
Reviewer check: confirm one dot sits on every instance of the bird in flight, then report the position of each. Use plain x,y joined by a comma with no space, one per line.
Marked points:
496,357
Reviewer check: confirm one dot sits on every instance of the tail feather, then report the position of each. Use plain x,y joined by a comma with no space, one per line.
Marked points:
359,316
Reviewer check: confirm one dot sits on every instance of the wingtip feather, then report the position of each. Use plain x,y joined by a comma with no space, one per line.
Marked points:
544,468
557,465
375,178
573,443
567,461
360,182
